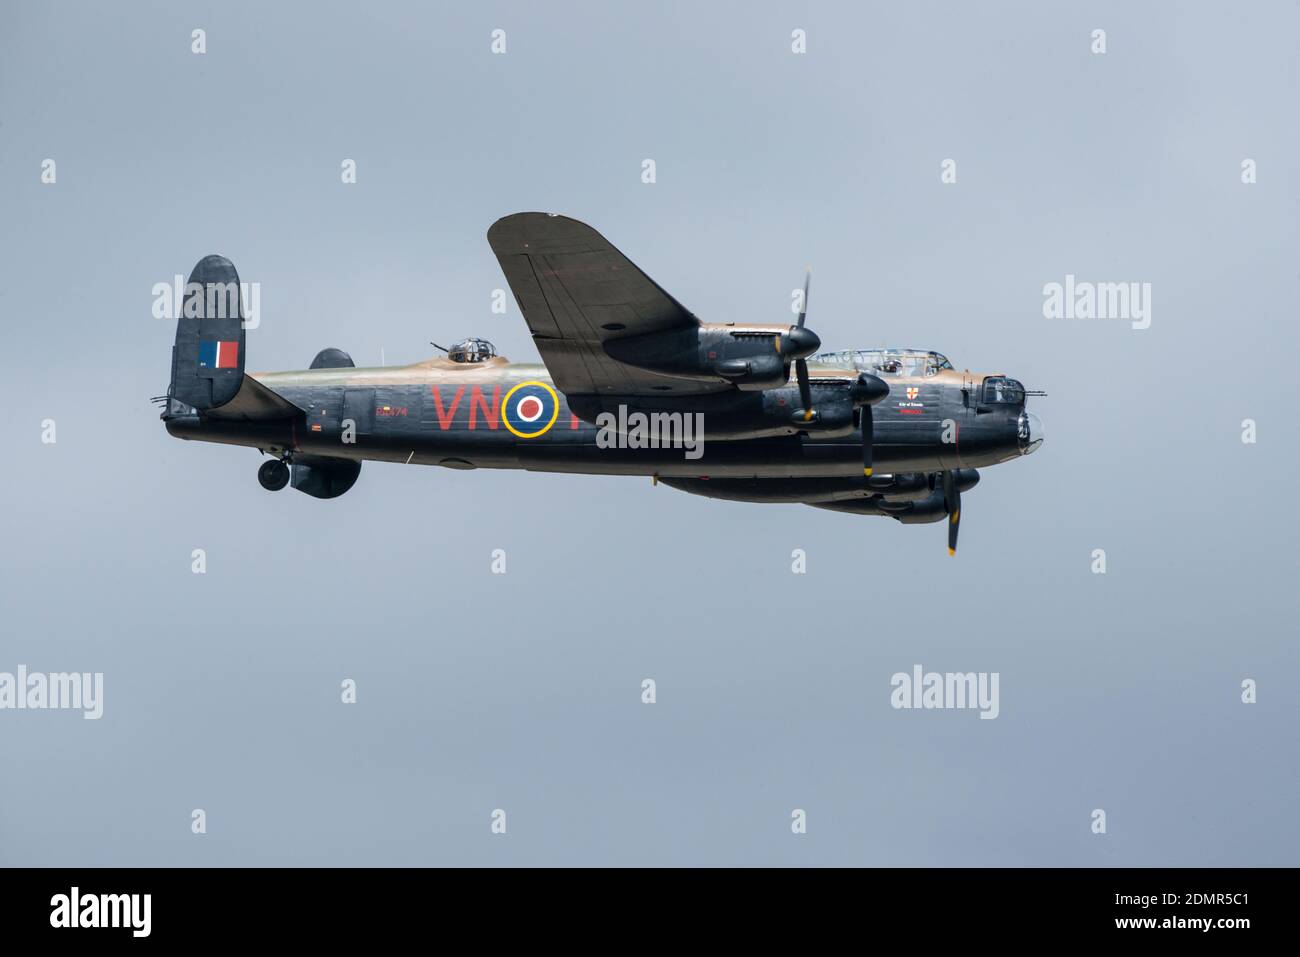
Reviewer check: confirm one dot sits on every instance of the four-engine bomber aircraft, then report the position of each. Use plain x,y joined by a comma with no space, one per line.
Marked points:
895,432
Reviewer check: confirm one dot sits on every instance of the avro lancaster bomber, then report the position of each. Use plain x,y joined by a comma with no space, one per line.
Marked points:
631,383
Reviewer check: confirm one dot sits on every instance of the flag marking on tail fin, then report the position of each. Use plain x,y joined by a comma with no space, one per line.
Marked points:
219,355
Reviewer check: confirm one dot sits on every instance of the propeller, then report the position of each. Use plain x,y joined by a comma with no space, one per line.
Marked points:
866,392
952,502
805,388
804,342
803,303
868,439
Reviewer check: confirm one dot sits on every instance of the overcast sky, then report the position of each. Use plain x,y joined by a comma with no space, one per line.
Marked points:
522,691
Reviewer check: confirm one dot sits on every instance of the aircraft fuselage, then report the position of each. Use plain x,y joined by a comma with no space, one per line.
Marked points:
469,416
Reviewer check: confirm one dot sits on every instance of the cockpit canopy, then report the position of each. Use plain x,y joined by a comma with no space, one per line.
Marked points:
472,350
887,362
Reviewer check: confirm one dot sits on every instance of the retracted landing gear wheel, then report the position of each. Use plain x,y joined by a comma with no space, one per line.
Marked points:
273,475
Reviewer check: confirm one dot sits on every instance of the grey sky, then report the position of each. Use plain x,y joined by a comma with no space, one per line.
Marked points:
522,691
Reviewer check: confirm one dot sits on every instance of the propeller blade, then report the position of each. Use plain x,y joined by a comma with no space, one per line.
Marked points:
805,388
868,439
803,306
952,500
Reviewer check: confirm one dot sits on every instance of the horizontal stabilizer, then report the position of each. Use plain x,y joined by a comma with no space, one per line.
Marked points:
254,402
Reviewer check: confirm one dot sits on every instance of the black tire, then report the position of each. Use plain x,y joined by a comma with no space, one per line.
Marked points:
274,475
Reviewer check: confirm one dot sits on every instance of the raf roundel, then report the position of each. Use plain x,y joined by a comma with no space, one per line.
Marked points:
530,409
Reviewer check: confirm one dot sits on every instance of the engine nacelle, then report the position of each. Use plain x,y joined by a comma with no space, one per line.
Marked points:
832,411
756,372
918,497
738,415
901,486
931,508
750,357
928,508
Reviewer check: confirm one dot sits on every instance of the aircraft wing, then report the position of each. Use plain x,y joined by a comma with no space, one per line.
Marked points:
577,292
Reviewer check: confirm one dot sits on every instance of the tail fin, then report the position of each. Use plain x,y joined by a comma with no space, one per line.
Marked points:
208,358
